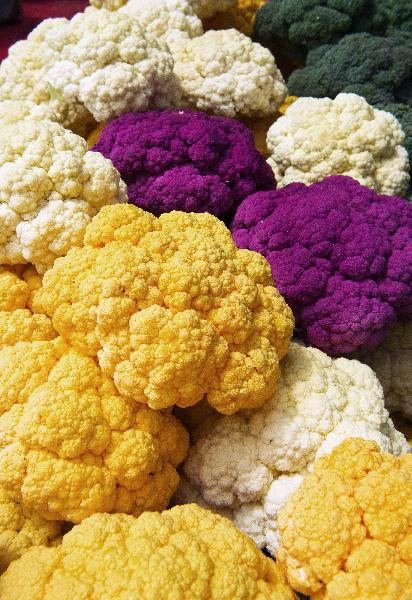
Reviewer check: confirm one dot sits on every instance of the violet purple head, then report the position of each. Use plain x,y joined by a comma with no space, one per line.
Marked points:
185,160
340,254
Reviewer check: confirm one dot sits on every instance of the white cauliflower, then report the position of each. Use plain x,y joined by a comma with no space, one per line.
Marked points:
392,362
207,8
50,188
224,72
23,77
249,463
318,137
165,19
12,111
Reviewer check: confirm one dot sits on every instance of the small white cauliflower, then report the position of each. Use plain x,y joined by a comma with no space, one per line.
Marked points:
392,362
318,137
23,77
250,463
207,8
224,72
13,111
165,19
50,188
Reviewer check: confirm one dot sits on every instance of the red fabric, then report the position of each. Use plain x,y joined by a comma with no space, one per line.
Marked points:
34,11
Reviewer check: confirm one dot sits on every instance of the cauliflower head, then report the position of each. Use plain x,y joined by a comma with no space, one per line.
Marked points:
364,497
184,160
50,188
107,62
24,79
165,19
251,462
21,528
224,72
392,362
318,137
13,111
186,553
108,4
171,309
207,8
340,254
241,16
17,322
72,445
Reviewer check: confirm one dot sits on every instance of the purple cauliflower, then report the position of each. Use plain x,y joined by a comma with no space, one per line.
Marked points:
340,254
184,160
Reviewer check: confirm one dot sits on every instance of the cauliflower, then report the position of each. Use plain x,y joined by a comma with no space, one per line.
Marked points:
346,533
20,529
225,73
50,187
185,553
171,309
72,446
13,111
318,137
241,16
98,63
108,4
392,362
24,78
339,253
184,160
165,19
207,8
250,463
17,322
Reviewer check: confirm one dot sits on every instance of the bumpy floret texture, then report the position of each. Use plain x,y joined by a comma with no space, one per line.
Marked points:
107,61
20,529
17,322
13,111
224,72
250,463
165,19
392,362
72,445
50,188
307,23
385,17
318,137
186,553
24,77
340,254
207,8
172,309
346,533
108,4
183,160
241,16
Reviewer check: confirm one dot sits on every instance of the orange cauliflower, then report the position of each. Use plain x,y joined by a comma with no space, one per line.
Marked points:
72,446
186,553
20,529
17,322
346,534
172,309
241,16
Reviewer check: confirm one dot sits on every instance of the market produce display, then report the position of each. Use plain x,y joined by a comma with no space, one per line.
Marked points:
184,160
206,301
340,254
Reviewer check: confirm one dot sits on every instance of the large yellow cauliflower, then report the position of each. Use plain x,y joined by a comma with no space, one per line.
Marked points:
72,446
172,309
346,534
186,553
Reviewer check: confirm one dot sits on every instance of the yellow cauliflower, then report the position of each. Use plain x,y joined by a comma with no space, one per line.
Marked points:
17,322
346,534
186,553
21,528
172,309
72,446
241,16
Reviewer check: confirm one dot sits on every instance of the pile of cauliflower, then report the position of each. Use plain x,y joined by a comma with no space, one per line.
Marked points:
206,304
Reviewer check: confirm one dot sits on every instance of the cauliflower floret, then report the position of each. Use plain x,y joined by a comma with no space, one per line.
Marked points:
207,8
225,73
346,532
318,137
50,188
165,19
251,462
171,309
13,111
21,528
72,446
186,553
392,362
108,4
241,16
